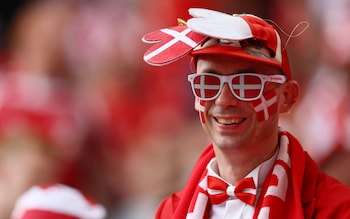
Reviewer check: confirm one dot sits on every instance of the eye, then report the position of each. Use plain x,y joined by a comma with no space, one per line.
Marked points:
247,86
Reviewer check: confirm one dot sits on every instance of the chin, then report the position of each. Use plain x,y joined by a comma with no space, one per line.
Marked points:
225,144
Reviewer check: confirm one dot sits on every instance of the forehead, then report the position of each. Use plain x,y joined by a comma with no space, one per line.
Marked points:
229,65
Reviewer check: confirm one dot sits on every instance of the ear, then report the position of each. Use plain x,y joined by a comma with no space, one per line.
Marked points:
290,93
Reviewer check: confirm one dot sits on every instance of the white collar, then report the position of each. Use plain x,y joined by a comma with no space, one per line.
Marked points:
259,173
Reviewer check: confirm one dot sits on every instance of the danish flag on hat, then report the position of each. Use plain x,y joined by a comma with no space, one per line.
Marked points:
172,44
242,36
56,201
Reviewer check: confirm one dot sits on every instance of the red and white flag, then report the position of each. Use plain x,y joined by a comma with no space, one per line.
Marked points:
266,106
171,44
199,106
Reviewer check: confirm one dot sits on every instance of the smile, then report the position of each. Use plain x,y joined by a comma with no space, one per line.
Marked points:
224,121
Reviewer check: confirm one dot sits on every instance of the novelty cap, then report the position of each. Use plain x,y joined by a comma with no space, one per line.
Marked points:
243,36
56,201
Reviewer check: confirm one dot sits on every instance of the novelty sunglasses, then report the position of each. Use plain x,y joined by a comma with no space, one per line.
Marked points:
244,86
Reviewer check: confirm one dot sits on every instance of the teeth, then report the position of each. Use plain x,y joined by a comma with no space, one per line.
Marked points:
229,121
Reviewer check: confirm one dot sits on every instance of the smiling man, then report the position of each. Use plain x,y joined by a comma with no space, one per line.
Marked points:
242,82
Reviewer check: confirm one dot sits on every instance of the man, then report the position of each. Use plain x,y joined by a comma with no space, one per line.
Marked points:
253,168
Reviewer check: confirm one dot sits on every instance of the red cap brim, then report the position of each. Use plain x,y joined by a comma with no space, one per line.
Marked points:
239,53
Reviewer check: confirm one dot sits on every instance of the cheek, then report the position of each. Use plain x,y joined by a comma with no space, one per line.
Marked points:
202,118
199,106
266,106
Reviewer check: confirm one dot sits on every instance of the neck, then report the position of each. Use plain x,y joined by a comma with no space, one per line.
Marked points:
235,164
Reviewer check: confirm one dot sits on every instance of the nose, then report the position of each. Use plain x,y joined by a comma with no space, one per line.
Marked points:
226,97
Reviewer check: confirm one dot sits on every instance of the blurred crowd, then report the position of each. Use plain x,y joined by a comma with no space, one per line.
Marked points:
79,106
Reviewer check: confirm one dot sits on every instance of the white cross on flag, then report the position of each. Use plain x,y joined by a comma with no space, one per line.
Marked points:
199,105
266,106
247,86
171,44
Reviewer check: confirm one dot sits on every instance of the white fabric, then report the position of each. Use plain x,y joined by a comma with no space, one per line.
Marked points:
219,25
234,208
59,198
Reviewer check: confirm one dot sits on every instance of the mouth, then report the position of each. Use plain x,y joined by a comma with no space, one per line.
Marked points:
235,121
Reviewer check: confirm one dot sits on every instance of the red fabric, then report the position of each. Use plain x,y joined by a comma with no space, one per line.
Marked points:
87,198
311,194
171,44
177,204
39,214
238,52
261,31
244,196
218,184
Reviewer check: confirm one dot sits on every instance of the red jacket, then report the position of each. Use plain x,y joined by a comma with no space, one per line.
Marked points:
316,195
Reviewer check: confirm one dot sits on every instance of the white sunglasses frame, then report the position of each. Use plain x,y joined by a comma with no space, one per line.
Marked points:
277,78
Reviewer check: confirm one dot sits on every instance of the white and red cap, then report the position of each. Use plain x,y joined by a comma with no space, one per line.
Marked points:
241,36
56,201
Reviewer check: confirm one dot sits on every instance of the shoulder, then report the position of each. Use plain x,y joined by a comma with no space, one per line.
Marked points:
322,196
332,198
167,207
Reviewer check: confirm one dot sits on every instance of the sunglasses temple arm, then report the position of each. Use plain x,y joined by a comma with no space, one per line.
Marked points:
277,79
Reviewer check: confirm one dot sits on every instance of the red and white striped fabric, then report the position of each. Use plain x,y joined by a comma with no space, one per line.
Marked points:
56,201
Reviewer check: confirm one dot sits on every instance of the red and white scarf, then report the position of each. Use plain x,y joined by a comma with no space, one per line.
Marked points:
281,195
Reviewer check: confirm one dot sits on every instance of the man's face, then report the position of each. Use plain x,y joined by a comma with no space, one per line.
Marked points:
233,123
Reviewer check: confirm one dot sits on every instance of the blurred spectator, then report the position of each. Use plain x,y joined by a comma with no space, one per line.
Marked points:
325,105
41,130
39,133
128,125
56,201
76,62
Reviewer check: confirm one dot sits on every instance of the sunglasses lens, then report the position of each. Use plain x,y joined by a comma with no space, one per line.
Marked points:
247,86
206,86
